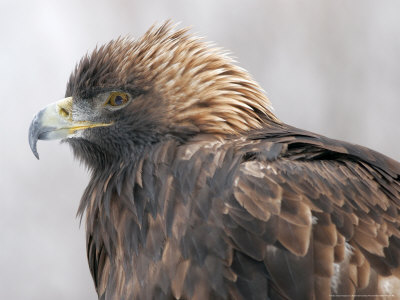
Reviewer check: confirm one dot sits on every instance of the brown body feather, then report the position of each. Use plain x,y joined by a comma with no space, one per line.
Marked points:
233,219
231,203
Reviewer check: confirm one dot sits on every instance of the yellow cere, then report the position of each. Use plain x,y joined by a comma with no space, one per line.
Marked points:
64,107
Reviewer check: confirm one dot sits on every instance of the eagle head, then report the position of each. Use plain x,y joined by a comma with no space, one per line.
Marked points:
129,94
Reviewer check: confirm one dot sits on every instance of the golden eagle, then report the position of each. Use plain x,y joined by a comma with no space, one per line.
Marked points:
198,191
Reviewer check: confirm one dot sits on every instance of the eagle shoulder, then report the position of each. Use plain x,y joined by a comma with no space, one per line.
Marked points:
321,215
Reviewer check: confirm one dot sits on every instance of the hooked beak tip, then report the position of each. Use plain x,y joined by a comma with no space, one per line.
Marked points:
33,136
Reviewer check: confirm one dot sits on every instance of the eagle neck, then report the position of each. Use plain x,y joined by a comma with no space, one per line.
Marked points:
124,193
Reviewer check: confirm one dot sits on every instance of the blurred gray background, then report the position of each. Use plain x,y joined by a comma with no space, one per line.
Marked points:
329,66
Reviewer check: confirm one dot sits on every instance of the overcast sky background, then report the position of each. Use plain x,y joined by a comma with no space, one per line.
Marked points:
329,66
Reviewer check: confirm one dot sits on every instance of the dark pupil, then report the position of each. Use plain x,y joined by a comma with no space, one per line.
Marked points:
118,100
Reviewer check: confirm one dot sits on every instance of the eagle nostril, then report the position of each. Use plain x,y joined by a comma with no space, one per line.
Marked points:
64,113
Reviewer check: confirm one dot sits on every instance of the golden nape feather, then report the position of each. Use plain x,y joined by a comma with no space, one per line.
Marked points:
202,84
198,191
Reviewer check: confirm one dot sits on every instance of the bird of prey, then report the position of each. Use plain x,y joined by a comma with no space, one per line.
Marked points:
198,191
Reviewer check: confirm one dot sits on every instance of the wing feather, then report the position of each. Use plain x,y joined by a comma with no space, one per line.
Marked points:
320,207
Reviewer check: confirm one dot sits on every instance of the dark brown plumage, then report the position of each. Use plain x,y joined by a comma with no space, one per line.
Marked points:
199,192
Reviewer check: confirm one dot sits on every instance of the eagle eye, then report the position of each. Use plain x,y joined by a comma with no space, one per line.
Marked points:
117,99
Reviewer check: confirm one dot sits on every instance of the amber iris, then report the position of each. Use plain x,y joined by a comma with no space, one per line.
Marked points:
117,99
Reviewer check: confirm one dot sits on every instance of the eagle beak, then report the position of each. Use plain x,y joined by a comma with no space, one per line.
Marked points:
55,121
